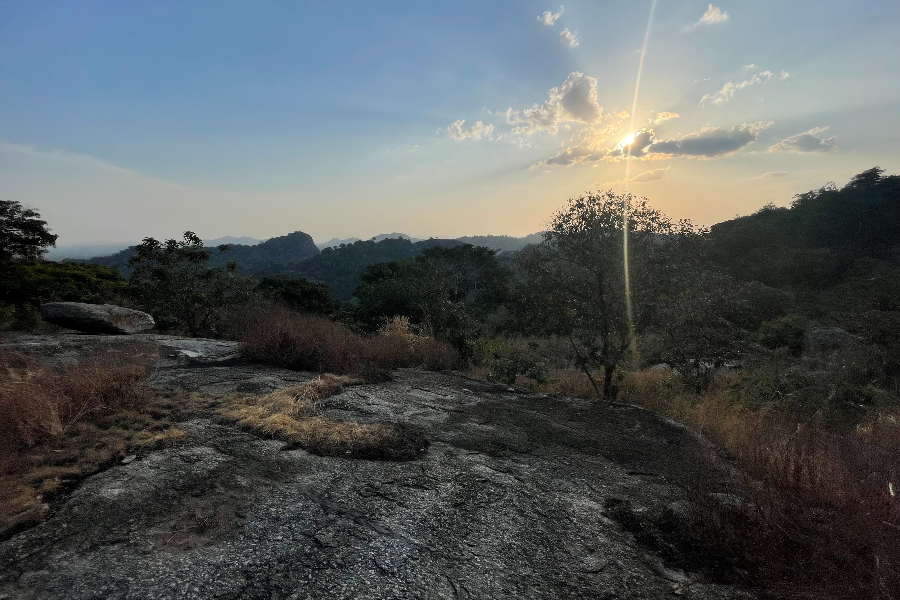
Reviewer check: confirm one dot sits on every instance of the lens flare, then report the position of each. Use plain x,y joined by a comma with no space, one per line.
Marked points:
627,204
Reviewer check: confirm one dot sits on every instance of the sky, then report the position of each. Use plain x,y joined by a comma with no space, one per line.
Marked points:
121,120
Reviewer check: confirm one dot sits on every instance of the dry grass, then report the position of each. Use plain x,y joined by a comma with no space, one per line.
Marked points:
824,522
60,424
275,335
291,415
572,383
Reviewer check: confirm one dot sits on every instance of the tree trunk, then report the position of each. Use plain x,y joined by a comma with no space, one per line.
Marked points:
609,388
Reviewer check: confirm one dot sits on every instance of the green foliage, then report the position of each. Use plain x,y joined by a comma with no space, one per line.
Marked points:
298,294
819,242
173,282
25,285
574,284
446,291
784,332
23,234
36,282
341,267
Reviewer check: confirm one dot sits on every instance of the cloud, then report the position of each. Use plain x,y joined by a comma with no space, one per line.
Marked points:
568,38
588,147
710,142
664,116
477,131
713,15
807,141
573,101
645,177
549,18
728,90
773,174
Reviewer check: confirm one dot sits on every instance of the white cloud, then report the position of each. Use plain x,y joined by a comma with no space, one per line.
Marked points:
573,101
709,142
807,141
477,131
664,116
568,38
549,18
728,90
773,174
713,15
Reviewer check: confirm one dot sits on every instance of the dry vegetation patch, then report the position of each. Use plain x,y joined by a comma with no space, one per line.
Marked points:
61,424
291,415
277,336
820,514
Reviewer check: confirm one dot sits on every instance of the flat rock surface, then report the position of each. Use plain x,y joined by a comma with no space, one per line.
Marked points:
506,503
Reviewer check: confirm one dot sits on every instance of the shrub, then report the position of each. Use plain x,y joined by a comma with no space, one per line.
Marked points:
826,492
275,335
38,401
59,424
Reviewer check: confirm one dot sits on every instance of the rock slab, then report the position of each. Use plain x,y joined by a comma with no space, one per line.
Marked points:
508,502
96,318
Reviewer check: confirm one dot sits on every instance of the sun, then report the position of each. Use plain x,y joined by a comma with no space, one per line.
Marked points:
629,140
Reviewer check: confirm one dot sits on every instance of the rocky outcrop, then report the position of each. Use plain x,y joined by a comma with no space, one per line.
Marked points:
96,318
508,501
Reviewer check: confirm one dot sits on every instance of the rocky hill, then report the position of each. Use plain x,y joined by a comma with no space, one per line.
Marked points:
515,497
258,259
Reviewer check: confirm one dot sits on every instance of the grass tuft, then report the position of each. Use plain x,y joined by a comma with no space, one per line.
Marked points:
290,415
61,424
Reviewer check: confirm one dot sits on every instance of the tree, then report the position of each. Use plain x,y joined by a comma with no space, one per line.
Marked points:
445,290
575,283
173,282
23,234
298,294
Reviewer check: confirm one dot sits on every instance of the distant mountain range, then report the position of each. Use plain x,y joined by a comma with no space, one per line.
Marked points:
260,259
337,262
85,251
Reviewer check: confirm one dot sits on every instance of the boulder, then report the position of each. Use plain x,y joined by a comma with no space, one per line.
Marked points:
822,341
96,318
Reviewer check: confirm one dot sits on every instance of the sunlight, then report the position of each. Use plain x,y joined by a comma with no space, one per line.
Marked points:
629,139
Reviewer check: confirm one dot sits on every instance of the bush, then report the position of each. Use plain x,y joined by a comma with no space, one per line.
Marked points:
298,294
38,401
59,424
824,490
275,335
784,332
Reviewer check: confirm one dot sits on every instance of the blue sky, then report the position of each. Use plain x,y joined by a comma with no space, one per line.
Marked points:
120,120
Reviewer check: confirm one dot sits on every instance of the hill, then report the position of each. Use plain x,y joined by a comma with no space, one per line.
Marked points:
262,259
341,267
503,243
837,250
